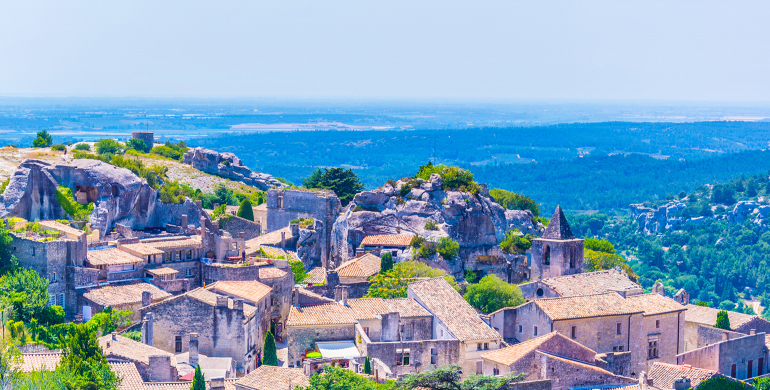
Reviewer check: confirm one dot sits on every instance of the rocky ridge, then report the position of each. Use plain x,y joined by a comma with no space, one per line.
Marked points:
665,217
229,166
476,222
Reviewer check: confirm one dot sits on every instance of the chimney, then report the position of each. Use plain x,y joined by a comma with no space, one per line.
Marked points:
341,295
295,298
193,349
725,336
752,331
115,336
199,203
217,384
221,301
643,381
146,298
160,368
147,327
185,221
283,239
242,235
238,304
682,383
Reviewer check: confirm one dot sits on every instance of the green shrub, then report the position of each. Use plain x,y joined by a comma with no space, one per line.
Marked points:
78,212
404,190
245,210
431,225
599,245
58,147
513,201
52,315
514,243
84,147
447,248
133,335
219,211
386,262
137,144
171,192
108,146
298,269
723,320
165,151
4,184
452,177
492,293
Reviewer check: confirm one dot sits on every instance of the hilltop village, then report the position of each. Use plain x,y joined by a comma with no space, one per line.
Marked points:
211,291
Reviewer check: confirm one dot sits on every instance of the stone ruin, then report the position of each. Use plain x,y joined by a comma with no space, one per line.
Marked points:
229,166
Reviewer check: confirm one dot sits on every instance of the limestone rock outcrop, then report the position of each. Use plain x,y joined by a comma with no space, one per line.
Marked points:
476,222
229,166
665,217
119,196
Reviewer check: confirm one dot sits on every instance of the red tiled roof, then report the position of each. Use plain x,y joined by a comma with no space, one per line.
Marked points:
663,374
388,240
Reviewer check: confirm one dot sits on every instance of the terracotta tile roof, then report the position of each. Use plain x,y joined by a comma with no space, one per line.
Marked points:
591,283
325,314
364,266
210,298
129,375
271,272
142,249
368,308
112,256
63,228
248,290
316,275
229,385
708,316
38,361
654,303
597,305
454,312
125,348
172,244
387,240
124,294
576,363
311,294
273,378
663,375
163,271
407,307
509,355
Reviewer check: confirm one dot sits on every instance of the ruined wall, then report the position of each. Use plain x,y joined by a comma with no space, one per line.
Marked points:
759,324
281,296
300,339
618,363
235,225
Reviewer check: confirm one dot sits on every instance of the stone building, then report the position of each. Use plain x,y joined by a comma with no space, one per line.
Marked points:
741,358
587,283
553,356
663,375
697,316
272,378
360,269
396,244
130,295
115,265
147,136
284,206
649,327
321,321
153,364
557,252
455,319
225,327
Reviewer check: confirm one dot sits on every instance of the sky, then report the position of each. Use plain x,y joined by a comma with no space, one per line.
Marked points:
489,50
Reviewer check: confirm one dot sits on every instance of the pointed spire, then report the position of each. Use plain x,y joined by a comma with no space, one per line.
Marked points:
558,228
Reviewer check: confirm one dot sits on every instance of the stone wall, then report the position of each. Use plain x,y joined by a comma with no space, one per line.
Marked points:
723,355
355,290
300,339
50,260
708,335
563,254
759,324
193,267
147,136
283,206
567,375
423,355
236,225
211,273
618,363
542,384
281,298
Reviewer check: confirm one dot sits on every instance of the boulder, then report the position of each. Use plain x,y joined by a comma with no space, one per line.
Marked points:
229,166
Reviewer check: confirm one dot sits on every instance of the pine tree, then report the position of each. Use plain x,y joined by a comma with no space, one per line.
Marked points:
198,383
386,263
245,211
269,355
367,366
723,321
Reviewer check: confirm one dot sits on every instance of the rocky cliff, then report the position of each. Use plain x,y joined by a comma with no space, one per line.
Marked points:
665,217
476,222
229,166
119,196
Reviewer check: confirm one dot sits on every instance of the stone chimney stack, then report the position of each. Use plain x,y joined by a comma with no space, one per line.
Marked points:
752,331
114,336
193,349
682,383
217,384
295,298
238,304
146,298
283,239
185,222
643,381
221,301
147,327
341,295
160,368
725,336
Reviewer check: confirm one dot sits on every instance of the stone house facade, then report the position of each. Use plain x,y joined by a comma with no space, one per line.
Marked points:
321,322
707,316
741,358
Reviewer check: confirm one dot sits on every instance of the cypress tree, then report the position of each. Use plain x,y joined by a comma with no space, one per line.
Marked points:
269,355
245,211
386,263
723,321
198,383
367,366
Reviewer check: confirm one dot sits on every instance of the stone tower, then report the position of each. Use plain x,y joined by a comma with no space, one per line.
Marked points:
557,252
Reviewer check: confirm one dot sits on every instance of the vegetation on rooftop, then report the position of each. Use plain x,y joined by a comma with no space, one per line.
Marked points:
298,269
393,283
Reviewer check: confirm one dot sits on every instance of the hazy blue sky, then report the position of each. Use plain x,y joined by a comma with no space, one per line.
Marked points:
691,50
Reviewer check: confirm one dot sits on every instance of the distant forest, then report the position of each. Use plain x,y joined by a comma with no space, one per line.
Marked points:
583,166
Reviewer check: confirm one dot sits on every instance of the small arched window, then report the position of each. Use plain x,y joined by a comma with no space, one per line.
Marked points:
572,256
539,292
547,255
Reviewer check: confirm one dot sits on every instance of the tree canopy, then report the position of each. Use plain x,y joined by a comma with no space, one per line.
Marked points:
337,378
492,293
344,183
27,293
43,140
513,201
723,320
450,378
269,353
392,283
245,210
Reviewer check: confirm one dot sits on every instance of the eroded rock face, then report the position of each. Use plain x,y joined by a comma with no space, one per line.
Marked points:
477,223
229,166
119,196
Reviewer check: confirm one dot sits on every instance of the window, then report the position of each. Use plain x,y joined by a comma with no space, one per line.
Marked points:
178,342
60,300
433,356
188,273
486,345
408,331
539,292
442,332
33,251
189,254
546,255
619,328
750,368
572,256
366,330
478,347
52,301
617,348
760,366
535,331
732,371
574,332
180,256
495,371
521,329
402,357
657,323
53,278
652,348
